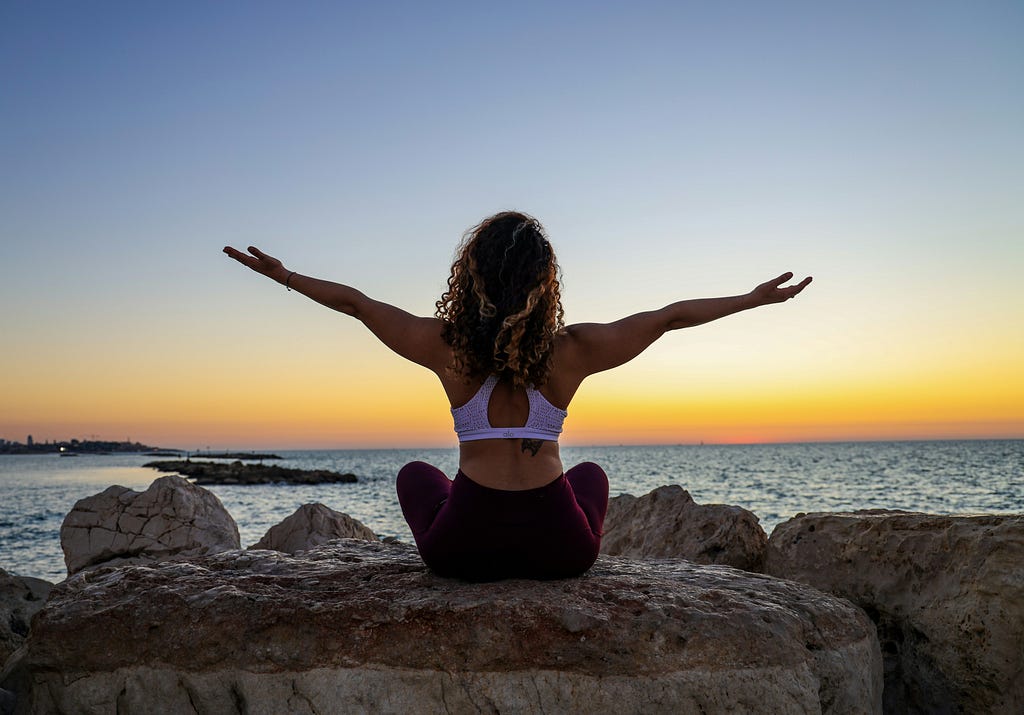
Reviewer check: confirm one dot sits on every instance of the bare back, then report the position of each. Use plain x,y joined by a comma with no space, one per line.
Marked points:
512,464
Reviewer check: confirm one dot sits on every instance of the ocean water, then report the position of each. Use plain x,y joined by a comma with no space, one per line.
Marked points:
775,481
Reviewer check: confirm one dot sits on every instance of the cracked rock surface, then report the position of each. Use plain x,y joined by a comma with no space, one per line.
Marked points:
357,626
947,593
172,518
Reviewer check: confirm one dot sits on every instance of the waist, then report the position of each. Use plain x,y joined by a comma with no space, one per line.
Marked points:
465,487
511,465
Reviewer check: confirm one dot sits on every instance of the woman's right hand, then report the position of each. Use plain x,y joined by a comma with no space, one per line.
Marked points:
260,262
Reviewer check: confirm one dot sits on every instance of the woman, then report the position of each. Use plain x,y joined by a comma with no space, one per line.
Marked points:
510,368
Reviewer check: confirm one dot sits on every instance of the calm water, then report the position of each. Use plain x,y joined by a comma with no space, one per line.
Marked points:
773,481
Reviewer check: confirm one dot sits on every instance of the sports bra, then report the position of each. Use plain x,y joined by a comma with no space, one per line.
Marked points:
471,422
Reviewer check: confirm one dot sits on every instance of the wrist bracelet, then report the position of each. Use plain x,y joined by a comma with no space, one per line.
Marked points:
288,280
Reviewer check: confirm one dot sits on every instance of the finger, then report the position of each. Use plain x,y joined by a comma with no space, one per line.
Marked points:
801,285
257,252
776,282
791,291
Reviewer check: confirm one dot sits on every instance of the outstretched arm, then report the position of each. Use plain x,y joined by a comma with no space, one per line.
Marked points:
593,347
414,338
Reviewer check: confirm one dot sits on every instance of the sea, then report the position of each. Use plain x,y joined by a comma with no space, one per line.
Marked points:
775,481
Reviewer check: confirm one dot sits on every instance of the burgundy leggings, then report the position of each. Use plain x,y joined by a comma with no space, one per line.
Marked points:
469,531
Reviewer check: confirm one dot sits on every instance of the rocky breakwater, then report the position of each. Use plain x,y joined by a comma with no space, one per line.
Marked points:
946,593
668,523
355,626
238,472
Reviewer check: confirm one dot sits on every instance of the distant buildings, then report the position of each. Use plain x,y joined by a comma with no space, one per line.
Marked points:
89,446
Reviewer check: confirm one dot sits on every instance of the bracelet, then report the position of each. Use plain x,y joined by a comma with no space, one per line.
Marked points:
288,280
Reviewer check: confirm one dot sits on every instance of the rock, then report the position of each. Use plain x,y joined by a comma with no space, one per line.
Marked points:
173,518
667,523
239,473
312,525
7,702
20,598
946,592
356,626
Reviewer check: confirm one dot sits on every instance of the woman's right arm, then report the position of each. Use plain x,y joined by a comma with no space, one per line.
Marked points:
594,347
414,338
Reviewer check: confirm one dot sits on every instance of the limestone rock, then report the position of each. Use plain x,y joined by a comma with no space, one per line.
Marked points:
173,517
20,598
356,626
312,525
946,592
667,523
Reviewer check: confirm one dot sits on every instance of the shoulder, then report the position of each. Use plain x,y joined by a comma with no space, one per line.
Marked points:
568,343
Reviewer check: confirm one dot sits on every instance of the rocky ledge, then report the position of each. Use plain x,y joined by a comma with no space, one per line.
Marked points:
355,626
946,593
238,473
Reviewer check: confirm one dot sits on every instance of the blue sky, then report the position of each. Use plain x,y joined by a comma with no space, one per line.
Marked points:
672,150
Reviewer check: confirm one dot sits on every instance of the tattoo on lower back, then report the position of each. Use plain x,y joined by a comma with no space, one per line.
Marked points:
532,446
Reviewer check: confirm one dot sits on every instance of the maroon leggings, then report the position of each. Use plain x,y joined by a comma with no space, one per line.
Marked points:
469,531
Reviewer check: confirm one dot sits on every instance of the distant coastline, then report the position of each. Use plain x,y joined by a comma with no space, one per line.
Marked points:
78,446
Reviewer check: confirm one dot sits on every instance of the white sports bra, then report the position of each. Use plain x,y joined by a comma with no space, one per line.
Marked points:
471,422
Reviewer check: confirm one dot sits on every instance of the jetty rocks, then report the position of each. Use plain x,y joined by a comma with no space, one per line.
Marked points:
238,472
865,612
357,626
946,594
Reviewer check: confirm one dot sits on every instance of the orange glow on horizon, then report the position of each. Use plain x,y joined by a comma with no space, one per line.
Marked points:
373,399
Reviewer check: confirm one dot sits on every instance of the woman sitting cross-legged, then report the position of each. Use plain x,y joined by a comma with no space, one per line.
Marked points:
510,368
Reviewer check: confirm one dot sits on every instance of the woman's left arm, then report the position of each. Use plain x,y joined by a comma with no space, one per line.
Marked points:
414,338
594,347
688,313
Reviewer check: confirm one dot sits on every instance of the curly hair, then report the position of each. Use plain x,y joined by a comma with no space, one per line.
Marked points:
503,305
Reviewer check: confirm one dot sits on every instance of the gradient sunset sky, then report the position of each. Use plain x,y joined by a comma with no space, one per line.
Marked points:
672,150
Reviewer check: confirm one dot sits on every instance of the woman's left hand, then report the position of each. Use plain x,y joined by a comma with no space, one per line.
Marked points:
773,292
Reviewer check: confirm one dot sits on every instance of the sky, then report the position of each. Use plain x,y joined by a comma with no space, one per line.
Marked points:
672,150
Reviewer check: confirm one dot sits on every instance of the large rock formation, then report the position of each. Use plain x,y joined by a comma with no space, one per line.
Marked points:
947,594
172,518
20,598
667,523
312,525
356,626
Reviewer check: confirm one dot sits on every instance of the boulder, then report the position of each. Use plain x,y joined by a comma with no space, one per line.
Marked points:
946,592
172,518
667,523
312,525
20,598
357,626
